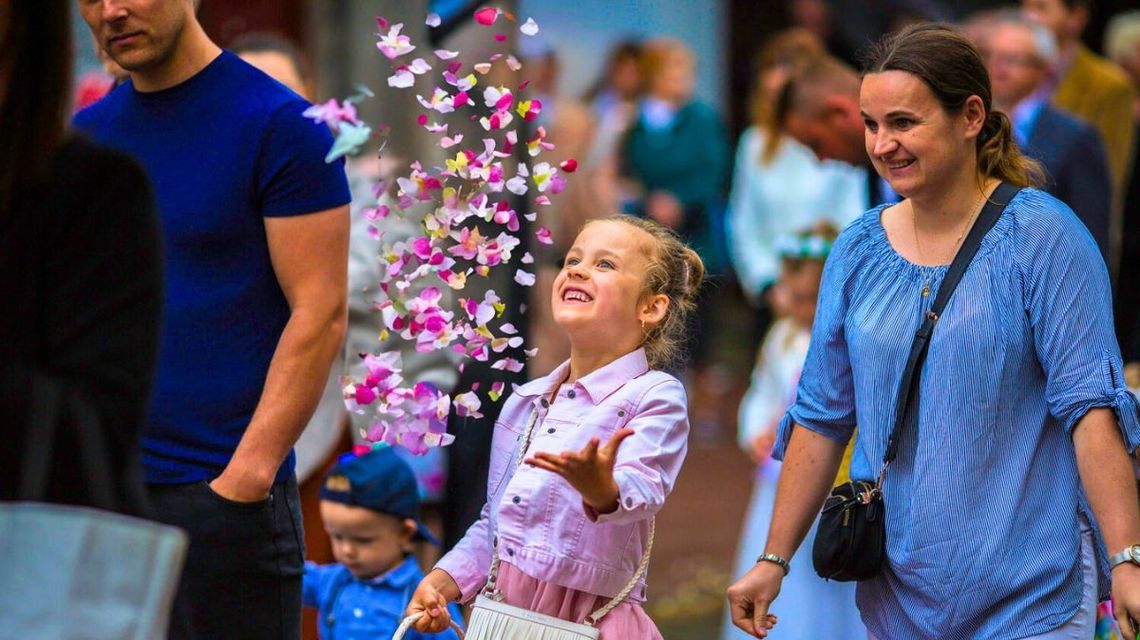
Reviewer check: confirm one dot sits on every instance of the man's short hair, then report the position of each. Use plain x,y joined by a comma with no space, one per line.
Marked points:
809,86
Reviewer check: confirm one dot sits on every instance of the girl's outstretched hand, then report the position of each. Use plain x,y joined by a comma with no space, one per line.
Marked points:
590,471
430,598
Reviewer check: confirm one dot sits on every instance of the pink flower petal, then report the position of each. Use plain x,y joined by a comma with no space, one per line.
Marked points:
570,165
433,20
500,37
486,16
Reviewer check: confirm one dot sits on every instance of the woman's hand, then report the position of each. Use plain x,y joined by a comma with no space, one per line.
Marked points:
1126,599
590,471
750,597
430,598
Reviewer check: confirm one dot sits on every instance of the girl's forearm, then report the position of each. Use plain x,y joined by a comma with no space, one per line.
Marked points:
806,477
444,584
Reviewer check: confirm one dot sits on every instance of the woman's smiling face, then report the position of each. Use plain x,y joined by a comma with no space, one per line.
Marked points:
912,141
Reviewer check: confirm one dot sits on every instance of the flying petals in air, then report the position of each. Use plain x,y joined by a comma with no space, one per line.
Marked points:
569,165
402,78
543,235
394,45
496,390
486,16
467,405
348,140
529,28
433,20
509,364
524,278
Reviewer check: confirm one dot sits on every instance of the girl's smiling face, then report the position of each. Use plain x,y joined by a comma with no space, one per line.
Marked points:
596,296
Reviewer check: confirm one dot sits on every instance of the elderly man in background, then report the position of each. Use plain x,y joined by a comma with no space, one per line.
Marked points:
1020,54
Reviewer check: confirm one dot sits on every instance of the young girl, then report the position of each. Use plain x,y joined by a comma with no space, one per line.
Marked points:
773,388
608,437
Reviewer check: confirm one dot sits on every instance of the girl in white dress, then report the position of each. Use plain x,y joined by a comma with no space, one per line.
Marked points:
809,607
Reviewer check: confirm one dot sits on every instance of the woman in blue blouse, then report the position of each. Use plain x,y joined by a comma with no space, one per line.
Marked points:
1015,477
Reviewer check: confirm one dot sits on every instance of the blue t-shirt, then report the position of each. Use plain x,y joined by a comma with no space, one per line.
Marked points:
224,150
984,500
352,608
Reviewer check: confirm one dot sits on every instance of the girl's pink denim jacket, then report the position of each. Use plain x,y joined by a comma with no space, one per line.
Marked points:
544,529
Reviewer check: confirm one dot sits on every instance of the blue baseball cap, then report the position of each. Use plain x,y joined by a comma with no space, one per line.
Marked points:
378,480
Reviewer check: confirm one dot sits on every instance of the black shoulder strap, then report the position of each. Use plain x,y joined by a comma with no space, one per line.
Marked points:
908,387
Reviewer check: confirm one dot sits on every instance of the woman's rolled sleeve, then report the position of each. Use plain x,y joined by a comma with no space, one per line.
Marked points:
649,460
1070,308
825,397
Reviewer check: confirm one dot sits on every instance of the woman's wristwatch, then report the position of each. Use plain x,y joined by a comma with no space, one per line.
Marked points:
771,557
1131,554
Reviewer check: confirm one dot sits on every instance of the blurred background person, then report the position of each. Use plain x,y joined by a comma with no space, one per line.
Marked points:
819,107
1093,89
1019,54
779,361
80,272
614,100
677,149
778,185
1122,45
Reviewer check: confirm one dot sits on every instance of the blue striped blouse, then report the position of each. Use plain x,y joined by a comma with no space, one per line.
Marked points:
984,499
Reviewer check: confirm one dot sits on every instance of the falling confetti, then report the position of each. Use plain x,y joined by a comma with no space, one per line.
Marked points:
469,228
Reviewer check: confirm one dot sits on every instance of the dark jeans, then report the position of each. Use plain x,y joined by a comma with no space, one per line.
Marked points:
243,570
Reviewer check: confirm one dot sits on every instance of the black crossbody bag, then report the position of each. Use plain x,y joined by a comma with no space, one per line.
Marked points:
850,543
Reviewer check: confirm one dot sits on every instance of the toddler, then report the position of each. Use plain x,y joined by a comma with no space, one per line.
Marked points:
571,525
369,505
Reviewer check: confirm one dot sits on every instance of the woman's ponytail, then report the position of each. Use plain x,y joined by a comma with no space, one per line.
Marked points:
1000,157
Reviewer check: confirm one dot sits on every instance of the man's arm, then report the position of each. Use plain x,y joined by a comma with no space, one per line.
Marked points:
309,254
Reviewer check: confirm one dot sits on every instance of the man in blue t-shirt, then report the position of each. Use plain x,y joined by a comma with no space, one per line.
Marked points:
255,227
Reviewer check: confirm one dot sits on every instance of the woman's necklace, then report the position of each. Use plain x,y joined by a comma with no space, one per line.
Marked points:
957,243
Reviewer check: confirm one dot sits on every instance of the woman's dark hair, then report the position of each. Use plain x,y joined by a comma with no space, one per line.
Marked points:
35,65
952,68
